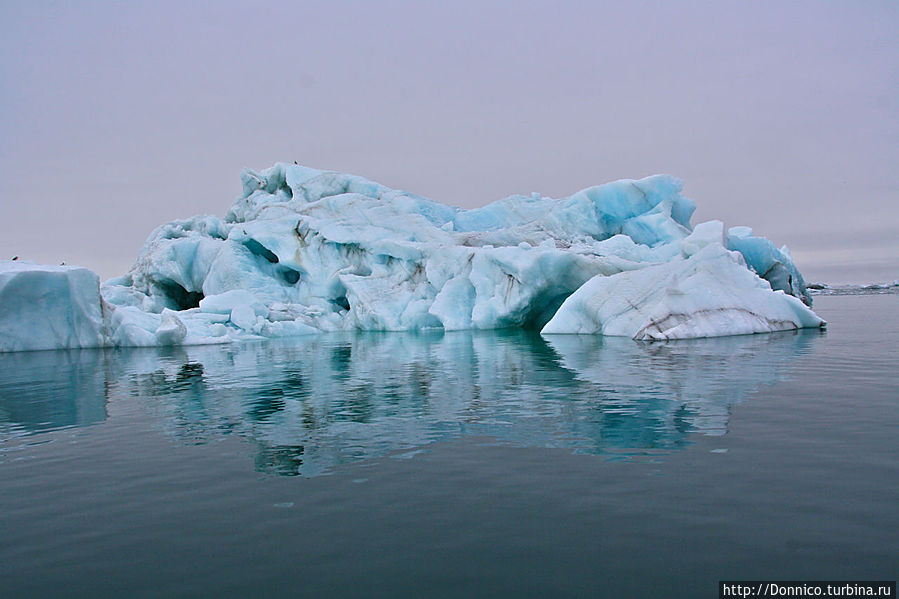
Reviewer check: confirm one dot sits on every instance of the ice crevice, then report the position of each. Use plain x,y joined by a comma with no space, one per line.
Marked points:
304,251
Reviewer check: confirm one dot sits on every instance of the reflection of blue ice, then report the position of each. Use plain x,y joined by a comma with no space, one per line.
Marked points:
41,391
315,403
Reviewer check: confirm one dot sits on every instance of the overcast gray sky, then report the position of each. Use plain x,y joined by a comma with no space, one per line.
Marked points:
116,117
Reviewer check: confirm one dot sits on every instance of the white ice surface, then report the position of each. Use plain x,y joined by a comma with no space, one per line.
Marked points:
303,251
706,292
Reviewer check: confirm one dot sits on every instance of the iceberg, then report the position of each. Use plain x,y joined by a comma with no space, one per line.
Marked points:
890,288
303,251
49,307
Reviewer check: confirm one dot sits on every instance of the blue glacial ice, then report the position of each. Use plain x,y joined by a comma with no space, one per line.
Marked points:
304,251
49,307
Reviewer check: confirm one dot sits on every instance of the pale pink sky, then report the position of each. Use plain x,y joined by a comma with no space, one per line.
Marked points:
116,117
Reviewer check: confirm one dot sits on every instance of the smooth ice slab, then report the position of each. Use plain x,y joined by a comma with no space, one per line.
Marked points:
303,251
49,307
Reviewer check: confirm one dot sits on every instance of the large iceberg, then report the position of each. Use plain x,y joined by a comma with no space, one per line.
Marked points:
304,251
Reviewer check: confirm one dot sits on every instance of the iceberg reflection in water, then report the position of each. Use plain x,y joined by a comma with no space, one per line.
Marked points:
47,390
315,403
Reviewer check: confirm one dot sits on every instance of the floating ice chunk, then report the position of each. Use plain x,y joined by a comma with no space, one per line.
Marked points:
171,330
129,326
243,317
49,307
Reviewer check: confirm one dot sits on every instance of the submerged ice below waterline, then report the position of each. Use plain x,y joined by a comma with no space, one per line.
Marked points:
312,404
303,251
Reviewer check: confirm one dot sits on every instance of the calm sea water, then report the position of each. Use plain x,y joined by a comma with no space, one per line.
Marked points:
459,465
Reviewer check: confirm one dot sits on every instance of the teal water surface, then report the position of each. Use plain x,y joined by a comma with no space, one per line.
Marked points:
457,464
